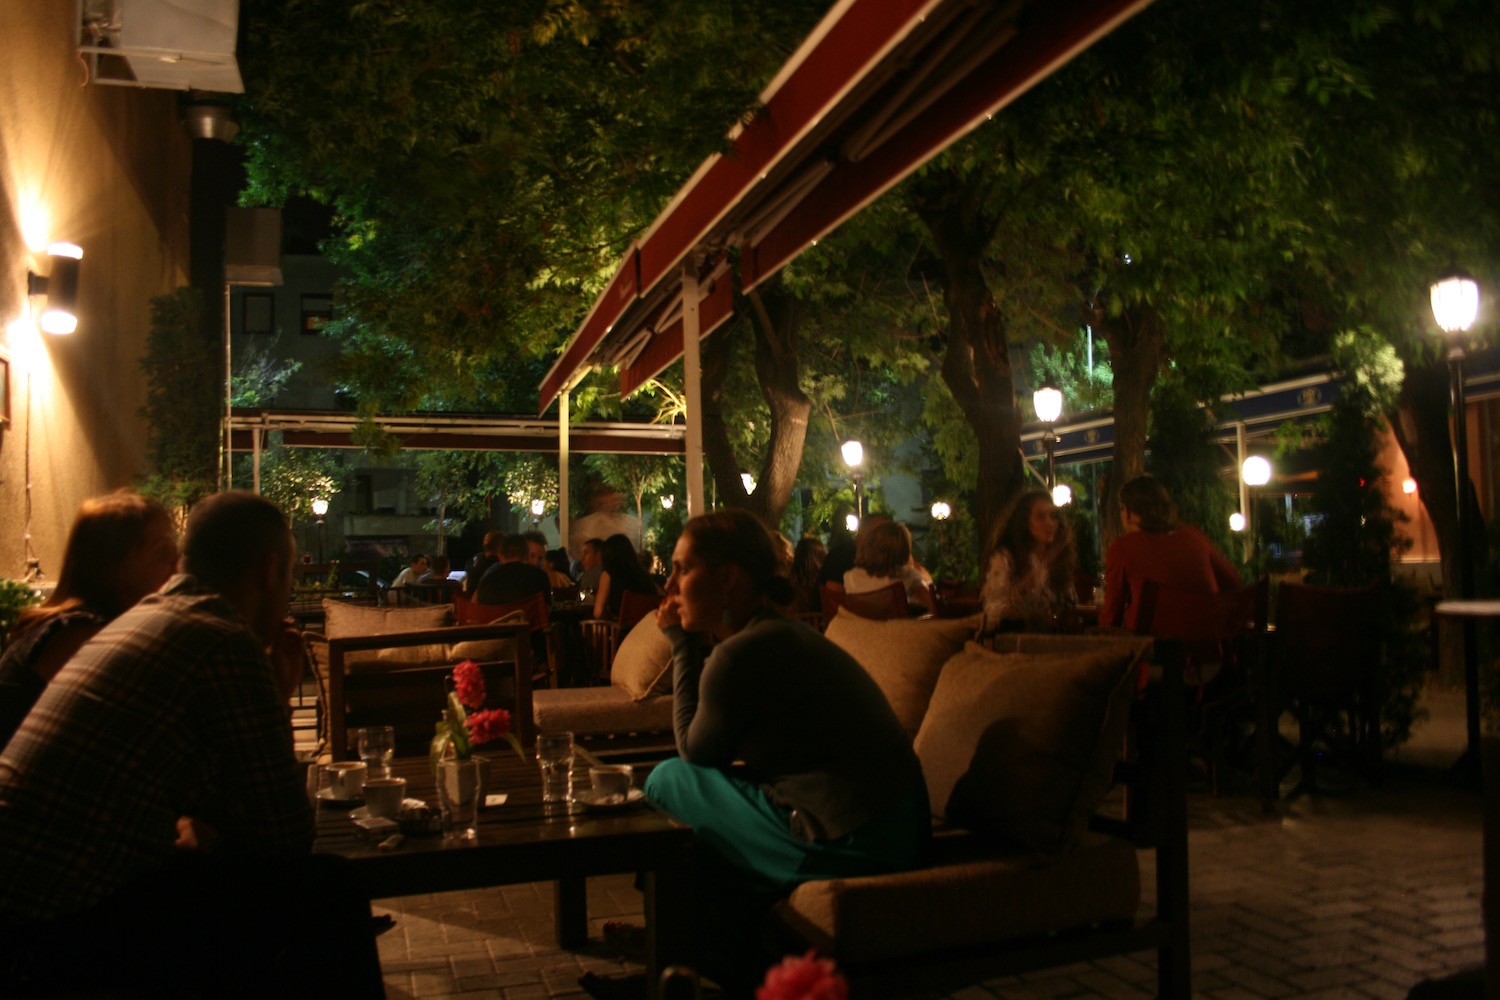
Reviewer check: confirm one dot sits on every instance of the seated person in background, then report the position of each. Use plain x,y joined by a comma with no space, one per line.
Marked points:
1030,577
555,562
882,556
487,556
592,561
513,578
807,562
412,573
121,548
622,571
1157,546
826,784
842,544
437,570
152,814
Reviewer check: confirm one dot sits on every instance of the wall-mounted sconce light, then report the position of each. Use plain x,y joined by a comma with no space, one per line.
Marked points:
60,288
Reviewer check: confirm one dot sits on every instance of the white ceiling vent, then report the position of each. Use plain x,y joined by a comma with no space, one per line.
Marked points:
171,44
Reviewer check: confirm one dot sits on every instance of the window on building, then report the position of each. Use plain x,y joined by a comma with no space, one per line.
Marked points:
317,310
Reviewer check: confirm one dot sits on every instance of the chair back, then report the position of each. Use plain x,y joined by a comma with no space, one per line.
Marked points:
1326,641
877,605
1198,618
634,606
534,607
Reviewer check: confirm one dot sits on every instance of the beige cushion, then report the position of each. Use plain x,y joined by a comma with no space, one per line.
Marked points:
491,650
1022,744
972,895
903,656
643,663
341,620
598,711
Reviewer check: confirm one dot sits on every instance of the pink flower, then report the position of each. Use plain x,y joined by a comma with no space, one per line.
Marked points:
468,681
804,977
488,726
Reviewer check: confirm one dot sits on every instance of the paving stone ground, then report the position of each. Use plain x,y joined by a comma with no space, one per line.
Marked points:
1360,891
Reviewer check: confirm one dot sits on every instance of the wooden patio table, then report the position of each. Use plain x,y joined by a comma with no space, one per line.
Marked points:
528,840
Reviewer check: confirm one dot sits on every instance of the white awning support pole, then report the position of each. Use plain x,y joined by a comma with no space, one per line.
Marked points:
1240,454
692,377
562,469
255,445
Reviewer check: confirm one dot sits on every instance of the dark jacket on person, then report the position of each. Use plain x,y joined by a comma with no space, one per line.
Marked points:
505,582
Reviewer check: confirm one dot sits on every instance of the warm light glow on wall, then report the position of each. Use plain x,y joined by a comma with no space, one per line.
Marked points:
36,223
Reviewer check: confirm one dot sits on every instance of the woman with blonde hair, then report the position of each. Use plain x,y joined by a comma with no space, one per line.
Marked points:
121,547
882,556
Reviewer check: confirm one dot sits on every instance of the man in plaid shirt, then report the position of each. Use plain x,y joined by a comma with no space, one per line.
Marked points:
152,814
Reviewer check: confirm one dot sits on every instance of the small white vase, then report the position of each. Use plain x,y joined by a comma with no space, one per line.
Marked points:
460,790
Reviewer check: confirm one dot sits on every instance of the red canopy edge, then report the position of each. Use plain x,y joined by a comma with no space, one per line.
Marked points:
850,41
1049,38
666,346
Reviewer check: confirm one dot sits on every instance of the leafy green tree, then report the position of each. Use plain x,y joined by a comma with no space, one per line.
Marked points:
260,375
459,484
636,475
292,478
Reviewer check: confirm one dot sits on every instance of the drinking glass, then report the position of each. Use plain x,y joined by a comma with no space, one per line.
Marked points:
377,745
554,753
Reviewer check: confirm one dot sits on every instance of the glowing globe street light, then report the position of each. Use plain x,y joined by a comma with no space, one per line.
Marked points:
1047,402
1256,471
1455,304
1236,522
319,508
854,457
941,511
1062,495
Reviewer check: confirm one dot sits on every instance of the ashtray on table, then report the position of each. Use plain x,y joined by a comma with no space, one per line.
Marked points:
418,819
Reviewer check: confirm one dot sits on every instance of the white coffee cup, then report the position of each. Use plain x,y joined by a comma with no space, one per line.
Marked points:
383,796
611,782
345,778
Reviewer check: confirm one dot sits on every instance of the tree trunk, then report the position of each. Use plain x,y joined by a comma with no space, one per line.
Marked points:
1136,342
976,365
779,374
723,465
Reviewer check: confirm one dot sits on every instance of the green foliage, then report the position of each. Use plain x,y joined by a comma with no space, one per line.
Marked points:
183,399
952,552
292,478
528,478
637,476
1085,387
15,597
260,375
460,484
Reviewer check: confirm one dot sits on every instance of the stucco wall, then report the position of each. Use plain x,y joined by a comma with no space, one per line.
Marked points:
107,168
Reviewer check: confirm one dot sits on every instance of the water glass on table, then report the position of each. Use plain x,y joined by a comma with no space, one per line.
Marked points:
377,745
554,753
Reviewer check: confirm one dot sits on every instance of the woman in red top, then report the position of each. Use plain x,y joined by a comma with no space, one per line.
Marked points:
1156,546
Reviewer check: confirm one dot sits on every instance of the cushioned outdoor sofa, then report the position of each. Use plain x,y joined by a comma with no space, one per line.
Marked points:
1020,743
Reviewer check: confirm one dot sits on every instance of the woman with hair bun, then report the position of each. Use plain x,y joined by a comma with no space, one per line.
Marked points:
121,547
1157,546
828,785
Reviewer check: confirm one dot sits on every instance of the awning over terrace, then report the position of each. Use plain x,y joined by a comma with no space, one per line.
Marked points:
876,90
454,432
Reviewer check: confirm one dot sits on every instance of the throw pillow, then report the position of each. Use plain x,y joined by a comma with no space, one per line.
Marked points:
903,656
1023,745
341,620
643,663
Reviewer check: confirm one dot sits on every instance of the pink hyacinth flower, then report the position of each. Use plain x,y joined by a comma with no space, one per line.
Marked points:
488,726
468,682
804,977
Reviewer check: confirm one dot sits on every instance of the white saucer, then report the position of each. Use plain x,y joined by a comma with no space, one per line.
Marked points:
587,800
326,795
363,812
